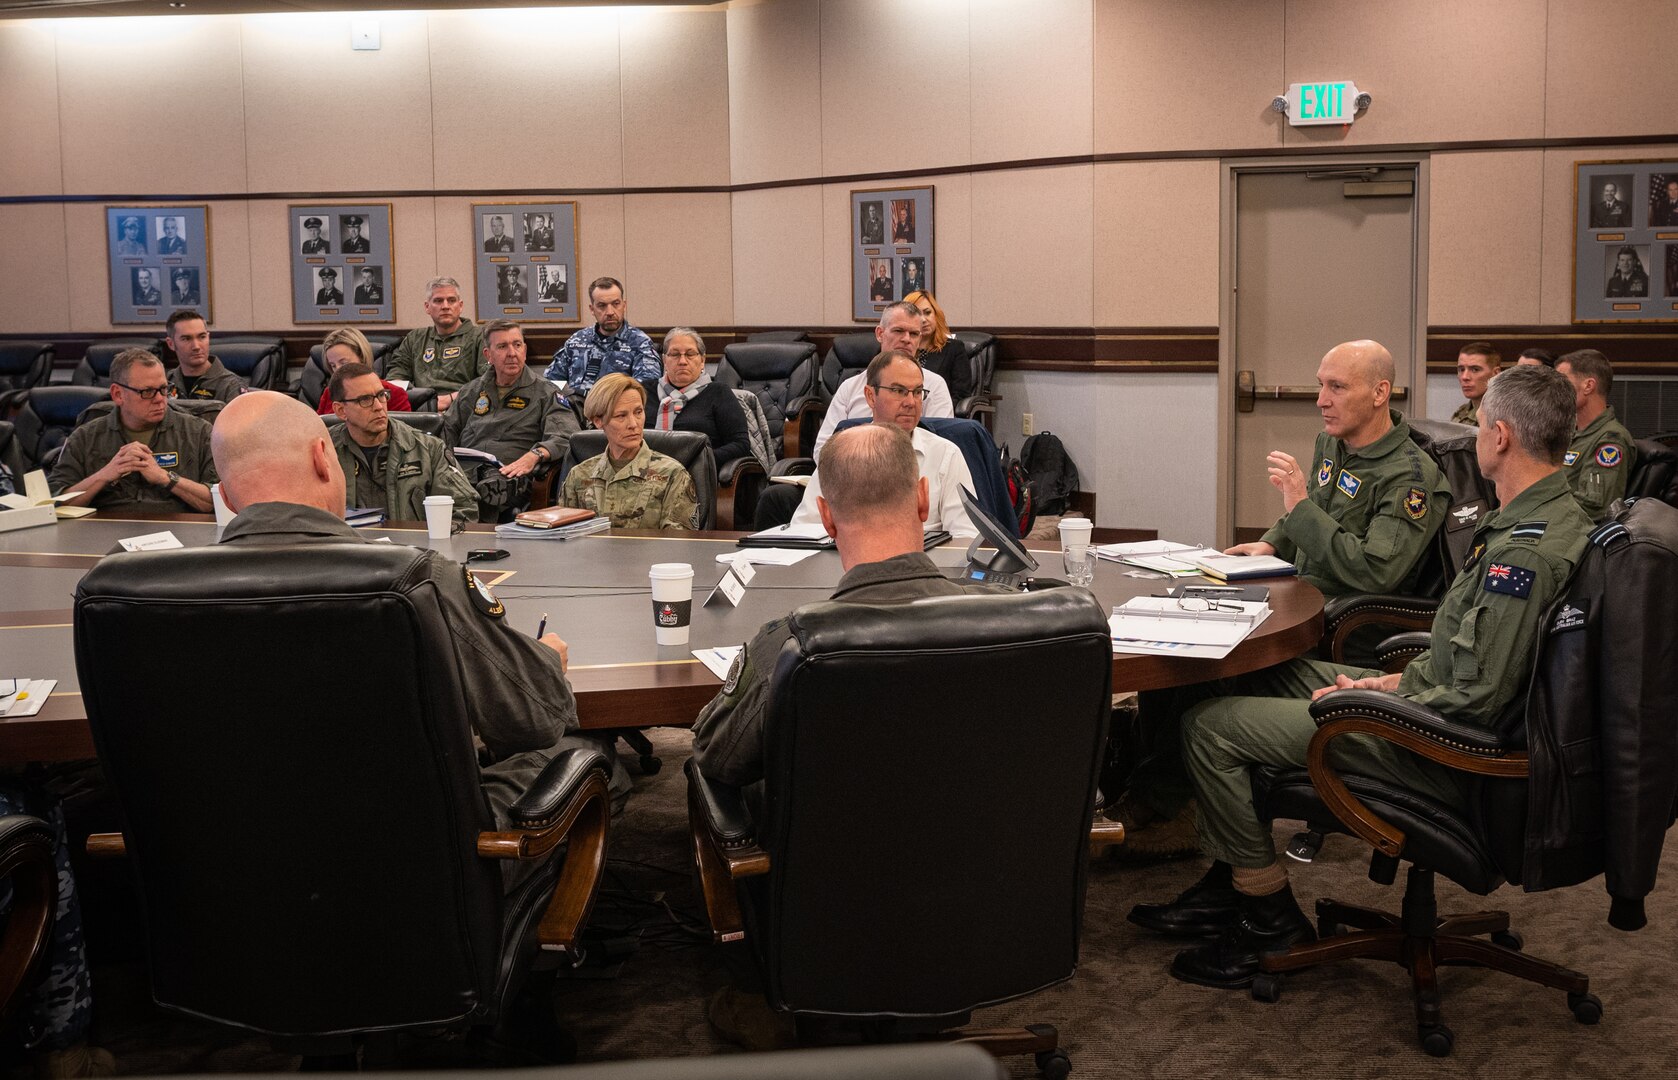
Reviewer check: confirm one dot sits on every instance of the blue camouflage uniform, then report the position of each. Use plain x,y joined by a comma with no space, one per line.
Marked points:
58,1011
588,354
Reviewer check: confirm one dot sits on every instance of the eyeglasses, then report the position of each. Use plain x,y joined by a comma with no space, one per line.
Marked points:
690,354
147,394
905,391
1201,603
366,401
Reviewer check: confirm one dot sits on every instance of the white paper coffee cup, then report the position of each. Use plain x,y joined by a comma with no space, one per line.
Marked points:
224,513
439,512
672,601
1075,536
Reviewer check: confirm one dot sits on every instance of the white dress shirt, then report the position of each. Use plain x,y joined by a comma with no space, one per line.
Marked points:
945,470
849,404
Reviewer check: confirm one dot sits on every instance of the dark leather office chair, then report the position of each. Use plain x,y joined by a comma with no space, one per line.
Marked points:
95,366
848,356
206,409
982,351
782,337
890,886
691,448
26,865
1655,476
312,379
429,423
46,418
1580,783
314,853
11,453
785,379
259,359
23,364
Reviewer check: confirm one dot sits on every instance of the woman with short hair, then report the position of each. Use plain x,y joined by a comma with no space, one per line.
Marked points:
633,485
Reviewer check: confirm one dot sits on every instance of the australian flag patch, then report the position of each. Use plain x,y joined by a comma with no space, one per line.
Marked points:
1509,579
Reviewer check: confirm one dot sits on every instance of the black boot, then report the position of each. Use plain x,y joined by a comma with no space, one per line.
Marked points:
1267,924
1207,907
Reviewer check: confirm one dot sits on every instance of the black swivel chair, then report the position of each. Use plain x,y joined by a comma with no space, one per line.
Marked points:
95,366
11,453
23,364
848,356
785,379
26,864
923,842
982,350
1655,476
259,359
1610,643
691,448
784,337
314,853
46,418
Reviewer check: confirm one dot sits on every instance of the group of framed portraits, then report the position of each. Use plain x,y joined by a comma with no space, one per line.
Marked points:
1626,241
891,247
159,259
343,262
526,261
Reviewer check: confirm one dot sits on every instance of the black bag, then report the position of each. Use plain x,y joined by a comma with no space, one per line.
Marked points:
1021,496
1052,474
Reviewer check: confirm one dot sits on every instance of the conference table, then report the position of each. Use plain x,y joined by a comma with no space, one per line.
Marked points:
594,592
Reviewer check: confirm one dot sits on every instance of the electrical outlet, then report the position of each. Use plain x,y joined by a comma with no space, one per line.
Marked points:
1025,424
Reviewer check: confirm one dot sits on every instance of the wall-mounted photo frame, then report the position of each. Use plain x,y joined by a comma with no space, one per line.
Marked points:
160,261
1625,248
343,263
525,257
891,247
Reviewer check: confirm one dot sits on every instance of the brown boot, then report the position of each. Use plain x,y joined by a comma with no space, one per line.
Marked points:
75,1061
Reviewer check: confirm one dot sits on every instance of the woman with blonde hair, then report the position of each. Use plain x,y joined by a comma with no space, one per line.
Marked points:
939,351
342,346
633,485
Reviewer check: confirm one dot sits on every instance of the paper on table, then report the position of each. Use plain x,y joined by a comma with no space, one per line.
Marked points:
31,695
1142,547
768,556
1156,624
719,659
800,481
158,541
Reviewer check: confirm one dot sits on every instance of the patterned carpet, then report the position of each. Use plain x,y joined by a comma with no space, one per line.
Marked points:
1121,1016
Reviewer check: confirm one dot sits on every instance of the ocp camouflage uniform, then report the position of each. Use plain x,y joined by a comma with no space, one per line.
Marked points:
651,491
1367,516
216,384
414,465
508,422
58,1011
1598,461
180,443
429,359
1467,413
1485,637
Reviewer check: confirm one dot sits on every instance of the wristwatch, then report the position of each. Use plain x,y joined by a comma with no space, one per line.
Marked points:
541,452
172,481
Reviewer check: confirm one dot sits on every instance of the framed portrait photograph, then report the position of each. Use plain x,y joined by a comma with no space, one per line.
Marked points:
525,258
891,247
159,261
342,260
1625,236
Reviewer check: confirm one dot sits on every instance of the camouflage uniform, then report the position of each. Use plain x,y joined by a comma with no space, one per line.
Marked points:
1598,461
587,356
509,423
217,384
180,442
651,492
415,465
429,359
1467,413
58,1011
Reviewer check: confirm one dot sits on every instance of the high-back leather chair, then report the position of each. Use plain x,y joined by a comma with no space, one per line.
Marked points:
429,423
1655,476
691,448
95,366
46,418
914,860
848,356
30,875
1580,783
784,378
205,409
784,337
313,850
259,359
981,355
23,364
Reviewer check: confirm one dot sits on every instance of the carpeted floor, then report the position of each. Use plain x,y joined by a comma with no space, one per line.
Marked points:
1122,1015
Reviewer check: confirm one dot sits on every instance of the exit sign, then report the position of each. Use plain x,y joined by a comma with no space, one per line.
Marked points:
1322,103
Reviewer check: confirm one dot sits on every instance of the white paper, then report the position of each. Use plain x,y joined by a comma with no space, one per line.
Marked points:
1142,547
31,695
731,588
479,455
158,541
789,531
744,570
718,660
35,493
797,481
769,556
403,383
1155,624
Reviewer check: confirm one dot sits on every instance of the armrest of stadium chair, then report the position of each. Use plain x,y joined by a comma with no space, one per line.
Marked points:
1395,653
724,849
1345,615
804,419
738,485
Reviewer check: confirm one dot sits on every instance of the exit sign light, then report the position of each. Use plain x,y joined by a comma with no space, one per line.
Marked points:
1310,104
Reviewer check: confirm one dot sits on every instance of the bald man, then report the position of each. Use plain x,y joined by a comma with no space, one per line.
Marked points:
280,475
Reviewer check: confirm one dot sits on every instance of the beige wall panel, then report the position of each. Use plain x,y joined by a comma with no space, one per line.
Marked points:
29,120
777,261
774,90
1032,225
564,70
232,290
1610,70
887,60
323,117
1191,75
1156,267
33,265
677,259
1556,281
1032,74
1485,226
115,105
675,97
88,267
602,253
1439,69
268,257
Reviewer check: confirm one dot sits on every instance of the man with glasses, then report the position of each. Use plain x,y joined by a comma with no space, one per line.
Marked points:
142,454
899,331
199,376
610,346
388,465
445,355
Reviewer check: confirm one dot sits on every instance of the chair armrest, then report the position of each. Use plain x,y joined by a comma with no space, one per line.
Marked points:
724,850
1395,653
974,404
1344,615
1416,728
740,466
422,398
805,412
107,845
26,861
743,476
794,466
544,486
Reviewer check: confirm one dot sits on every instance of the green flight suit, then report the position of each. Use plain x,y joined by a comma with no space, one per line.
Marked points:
429,359
1467,413
1367,517
651,491
1598,462
1485,635
180,443
510,423
415,465
217,384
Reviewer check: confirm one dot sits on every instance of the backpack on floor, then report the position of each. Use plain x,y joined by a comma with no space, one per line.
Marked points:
1053,476
1021,495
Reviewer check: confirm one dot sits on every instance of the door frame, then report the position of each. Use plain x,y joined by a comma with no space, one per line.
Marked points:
1230,169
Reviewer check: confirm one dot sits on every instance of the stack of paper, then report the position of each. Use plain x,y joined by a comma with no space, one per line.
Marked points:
1161,556
1238,567
719,659
24,697
1160,625
512,530
790,536
37,505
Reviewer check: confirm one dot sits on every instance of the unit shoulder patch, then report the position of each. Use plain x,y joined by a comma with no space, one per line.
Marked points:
1415,503
482,598
1509,579
1608,455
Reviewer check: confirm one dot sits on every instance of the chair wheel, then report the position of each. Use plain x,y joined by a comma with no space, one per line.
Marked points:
1587,1008
1438,1040
1327,928
650,765
1267,987
1055,1064
1509,939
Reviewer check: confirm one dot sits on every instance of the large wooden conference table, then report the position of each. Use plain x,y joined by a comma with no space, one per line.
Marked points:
594,591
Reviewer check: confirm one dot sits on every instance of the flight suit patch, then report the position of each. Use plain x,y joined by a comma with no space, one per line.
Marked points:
167,460
1509,579
1570,457
515,402
200,392
482,406
1348,484
1463,515
1529,530
430,354
735,670
1608,455
1474,555
412,468
1415,504
482,598
1572,616
451,352
1325,471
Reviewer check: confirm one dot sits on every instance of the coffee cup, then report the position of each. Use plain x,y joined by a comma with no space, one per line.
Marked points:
1075,536
439,514
224,513
672,601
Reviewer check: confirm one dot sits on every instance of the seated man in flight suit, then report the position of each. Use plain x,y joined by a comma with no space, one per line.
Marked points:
1602,453
393,466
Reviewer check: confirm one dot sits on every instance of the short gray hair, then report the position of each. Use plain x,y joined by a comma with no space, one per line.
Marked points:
903,306
1537,404
869,470
1590,364
440,282
682,331
128,359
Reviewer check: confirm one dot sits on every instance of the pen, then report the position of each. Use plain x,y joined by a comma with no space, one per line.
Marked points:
542,627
